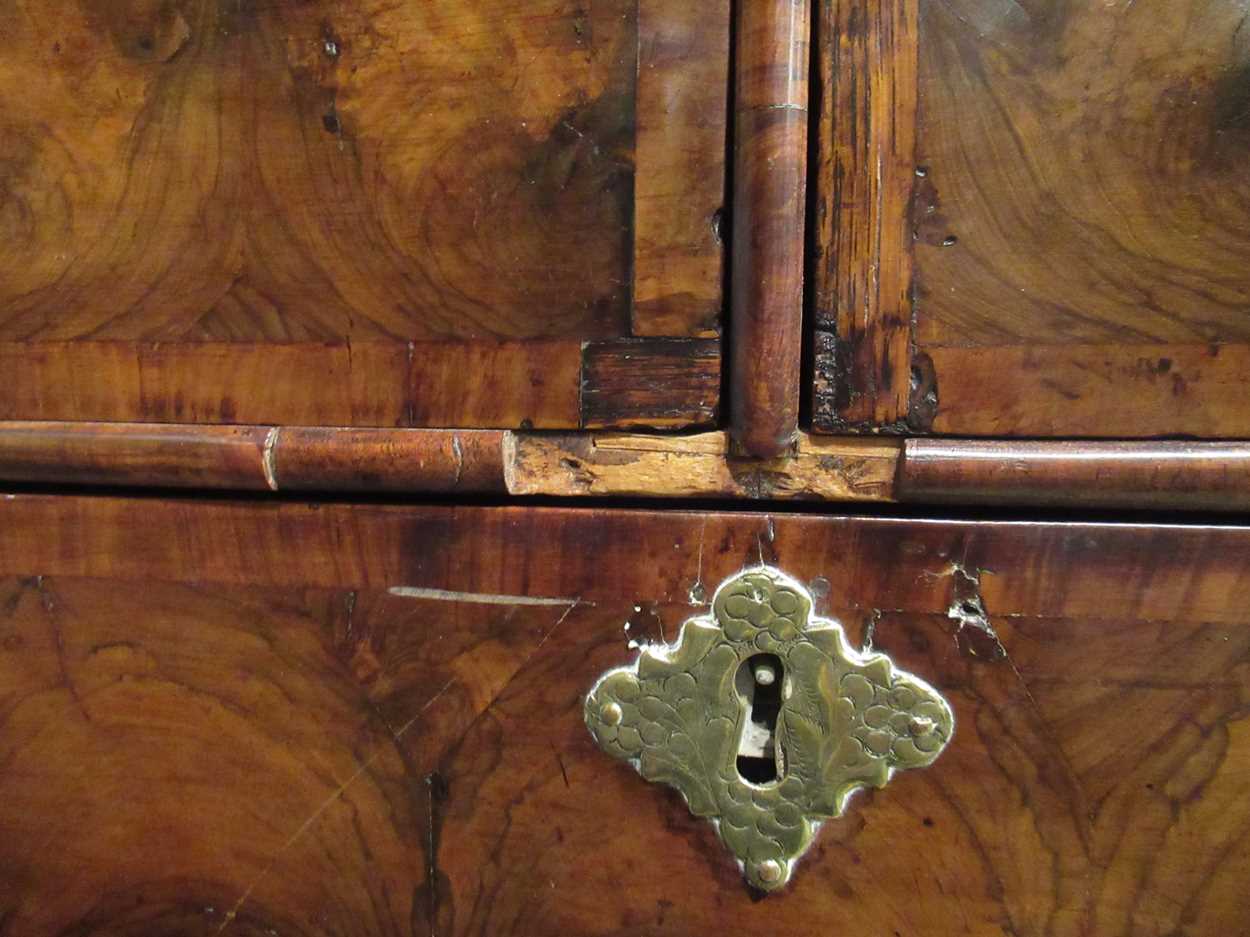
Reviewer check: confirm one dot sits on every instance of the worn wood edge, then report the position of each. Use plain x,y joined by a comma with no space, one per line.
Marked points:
655,383
700,466
1174,475
867,62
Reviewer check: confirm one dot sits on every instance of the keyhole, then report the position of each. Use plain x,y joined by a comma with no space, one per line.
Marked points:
759,682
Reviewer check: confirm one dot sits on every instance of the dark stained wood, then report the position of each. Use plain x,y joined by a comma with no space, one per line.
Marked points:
363,719
1158,475
770,177
861,255
332,459
156,454
679,179
276,212
1080,207
665,383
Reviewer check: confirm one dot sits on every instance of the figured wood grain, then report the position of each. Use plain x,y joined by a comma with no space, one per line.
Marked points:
679,179
495,384
1117,390
514,384
206,382
769,182
199,185
1078,201
381,731
1084,190
1163,476
699,466
861,243
293,172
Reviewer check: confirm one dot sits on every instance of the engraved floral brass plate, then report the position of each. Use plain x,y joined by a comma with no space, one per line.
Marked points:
844,720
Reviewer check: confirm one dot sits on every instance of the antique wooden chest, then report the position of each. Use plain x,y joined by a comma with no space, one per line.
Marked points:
604,467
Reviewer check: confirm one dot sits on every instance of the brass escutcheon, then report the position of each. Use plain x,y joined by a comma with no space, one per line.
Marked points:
846,720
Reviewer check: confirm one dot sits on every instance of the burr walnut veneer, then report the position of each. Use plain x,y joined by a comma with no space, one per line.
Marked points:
228,717
384,384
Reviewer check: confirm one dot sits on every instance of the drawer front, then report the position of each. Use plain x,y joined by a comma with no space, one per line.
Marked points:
320,718
346,213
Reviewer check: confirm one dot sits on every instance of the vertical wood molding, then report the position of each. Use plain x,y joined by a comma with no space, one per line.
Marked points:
770,169
867,63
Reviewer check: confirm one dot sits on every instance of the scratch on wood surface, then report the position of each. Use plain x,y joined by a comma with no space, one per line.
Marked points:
431,868
459,454
573,603
326,805
560,761
268,458
48,602
870,628
698,593
481,598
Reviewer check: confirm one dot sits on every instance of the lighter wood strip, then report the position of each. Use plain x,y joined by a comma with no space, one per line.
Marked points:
701,466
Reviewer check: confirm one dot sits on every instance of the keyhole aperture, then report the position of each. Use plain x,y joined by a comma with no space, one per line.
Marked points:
759,681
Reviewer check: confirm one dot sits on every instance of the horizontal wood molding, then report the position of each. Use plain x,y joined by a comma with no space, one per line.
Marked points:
1168,475
257,458
1193,475
329,459
160,455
